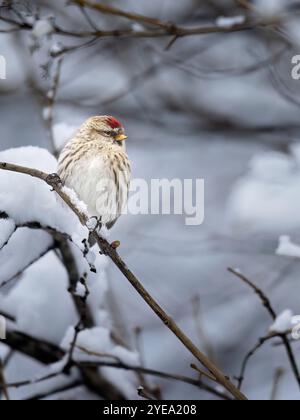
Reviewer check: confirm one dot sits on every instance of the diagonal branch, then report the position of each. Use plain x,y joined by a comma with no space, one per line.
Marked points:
54,181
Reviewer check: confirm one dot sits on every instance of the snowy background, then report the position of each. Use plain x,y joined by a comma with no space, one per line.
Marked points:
222,107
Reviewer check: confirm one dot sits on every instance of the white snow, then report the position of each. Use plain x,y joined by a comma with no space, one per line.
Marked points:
40,300
18,190
62,133
287,248
7,227
137,27
270,8
265,199
56,49
92,224
40,294
46,113
80,205
42,28
80,290
283,323
230,22
17,254
98,340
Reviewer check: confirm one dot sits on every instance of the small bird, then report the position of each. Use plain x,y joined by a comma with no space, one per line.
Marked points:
96,166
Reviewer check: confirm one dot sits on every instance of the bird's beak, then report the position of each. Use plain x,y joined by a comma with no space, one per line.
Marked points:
121,137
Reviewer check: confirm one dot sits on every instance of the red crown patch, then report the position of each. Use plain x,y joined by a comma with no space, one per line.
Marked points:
113,122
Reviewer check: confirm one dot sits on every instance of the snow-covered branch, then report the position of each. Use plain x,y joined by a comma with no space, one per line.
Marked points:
54,182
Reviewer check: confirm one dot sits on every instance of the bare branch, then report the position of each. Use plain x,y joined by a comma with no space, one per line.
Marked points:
162,30
3,384
135,17
267,304
265,301
279,373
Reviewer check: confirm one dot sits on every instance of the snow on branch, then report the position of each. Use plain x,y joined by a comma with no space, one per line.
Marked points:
142,26
107,249
276,330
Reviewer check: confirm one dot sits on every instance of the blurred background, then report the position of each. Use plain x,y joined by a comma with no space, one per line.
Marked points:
220,105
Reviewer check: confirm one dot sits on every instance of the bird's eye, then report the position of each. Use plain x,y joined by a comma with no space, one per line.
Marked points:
107,132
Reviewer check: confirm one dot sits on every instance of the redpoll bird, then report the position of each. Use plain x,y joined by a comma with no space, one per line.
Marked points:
95,165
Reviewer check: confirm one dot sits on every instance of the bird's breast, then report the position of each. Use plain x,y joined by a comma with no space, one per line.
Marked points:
102,182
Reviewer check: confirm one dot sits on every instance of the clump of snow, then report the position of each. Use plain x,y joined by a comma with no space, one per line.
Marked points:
91,257
80,290
18,190
17,254
270,8
272,166
98,340
56,49
42,28
46,113
287,248
265,198
62,133
283,323
80,205
7,228
137,27
230,22
92,224
50,94
40,296
40,293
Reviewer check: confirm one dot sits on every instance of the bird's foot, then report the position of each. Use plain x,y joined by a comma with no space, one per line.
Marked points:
92,223
54,181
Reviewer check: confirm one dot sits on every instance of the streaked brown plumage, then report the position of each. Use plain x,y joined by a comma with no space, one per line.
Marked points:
96,166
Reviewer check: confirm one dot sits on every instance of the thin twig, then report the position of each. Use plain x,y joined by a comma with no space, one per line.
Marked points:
166,30
57,390
203,373
50,104
279,373
81,325
41,255
3,384
264,299
143,393
267,304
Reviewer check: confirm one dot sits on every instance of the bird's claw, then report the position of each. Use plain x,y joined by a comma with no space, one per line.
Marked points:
92,224
54,180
